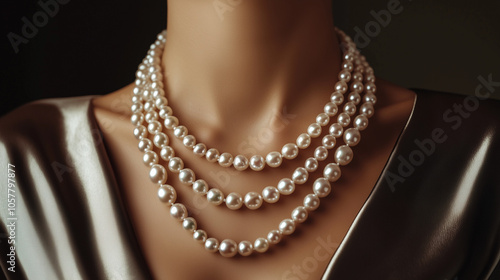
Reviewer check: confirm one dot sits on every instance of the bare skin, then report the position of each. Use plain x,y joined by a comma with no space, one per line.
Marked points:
231,92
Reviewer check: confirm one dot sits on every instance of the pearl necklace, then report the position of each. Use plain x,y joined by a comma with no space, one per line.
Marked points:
149,96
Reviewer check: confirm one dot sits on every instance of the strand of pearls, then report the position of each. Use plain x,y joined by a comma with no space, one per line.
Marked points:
148,96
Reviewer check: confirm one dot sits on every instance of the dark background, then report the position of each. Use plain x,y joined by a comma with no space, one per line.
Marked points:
94,47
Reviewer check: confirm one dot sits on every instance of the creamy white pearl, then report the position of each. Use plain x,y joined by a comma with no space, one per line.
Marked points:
200,236
303,141
337,98
352,137
357,76
154,127
344,119
215,196
322,187
180,131
234,201
354,97
343,155
225,160
240,162
336,130
165,112
160,101
212,155
274,236
341,87
261,245
245,248
274,159
321,153
286,186
300,175
361,122
167,194
178,211
140,132
166,153
151,116
175,164
370,88
160,140
330,109
189,141
350,108
329,141
367,109
299,214
322,119
228,248
357,87
137,118
311,202
253,200
287,227
149,158
171,122
311,164
348,66
186,176
332,172
189,224
270,194
257,163
200,149
290,151
158,174
212,245
345,75
200,186
314,130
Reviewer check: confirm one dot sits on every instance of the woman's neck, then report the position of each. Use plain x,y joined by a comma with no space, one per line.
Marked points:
228,57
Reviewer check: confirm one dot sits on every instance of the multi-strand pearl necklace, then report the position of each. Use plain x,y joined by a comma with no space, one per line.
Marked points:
150,104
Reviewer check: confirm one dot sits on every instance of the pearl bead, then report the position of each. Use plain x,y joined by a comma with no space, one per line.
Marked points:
320,153
274,236
357,76
261,245
341,87
186,176
215,196
178,211
274,159
322,119
257,163
160,140
343,155
336,130
148,105
171,122
180,131
361,122
344,119
331,109
200,149
158,174
357,87
154,127
212,245
367,109
212,155
311,202
370,88
270,194
347,66
303,141
165,112
175,164
245,248
352,137
225,160
300,175
321,187
253,200
166,153
234,201
228,248
136,107
287,227
189,141
137,118
350,108
345,75
167,194
311,164
354,97
332,172
151,116
286,186
337,98
200,236
149,158
160,101
299,214
240,162
189,224
329,141
200,186
290,151
314,130
140,132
